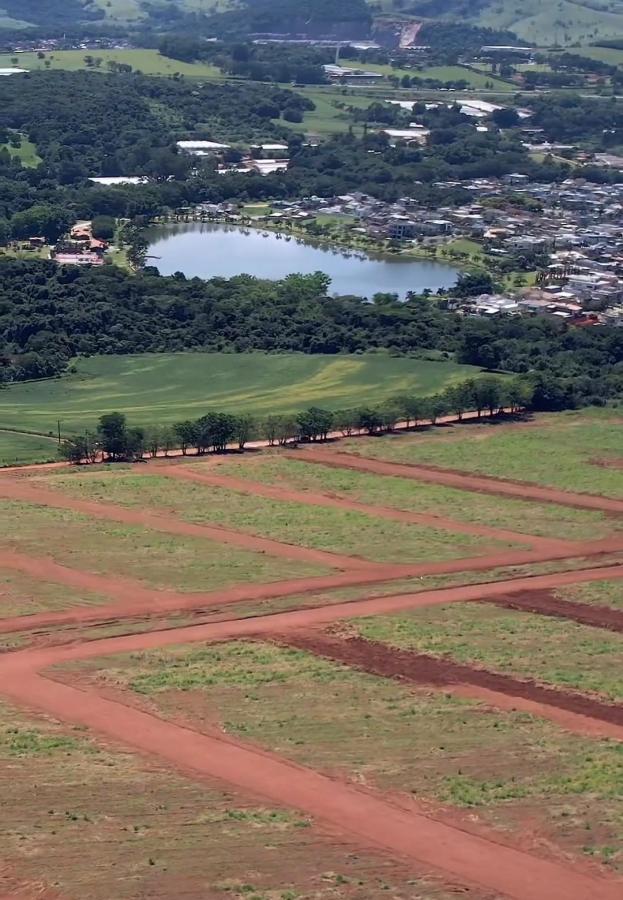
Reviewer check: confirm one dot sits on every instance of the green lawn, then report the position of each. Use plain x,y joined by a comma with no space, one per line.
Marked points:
522,644
563,22
475,80
168,387
522,516
511,767
563,452
609,55
26,152
18,449
150,62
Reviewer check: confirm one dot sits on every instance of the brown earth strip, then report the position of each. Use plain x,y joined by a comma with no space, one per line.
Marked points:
20,489
311,498
576,712
546,603
466,481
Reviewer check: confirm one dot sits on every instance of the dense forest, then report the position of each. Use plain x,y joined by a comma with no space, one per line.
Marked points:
313,18
49,314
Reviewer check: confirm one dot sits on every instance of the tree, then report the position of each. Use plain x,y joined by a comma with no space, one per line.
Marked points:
186,433
113,435
103,227
74,449
459,398
369,420
314,424
244,430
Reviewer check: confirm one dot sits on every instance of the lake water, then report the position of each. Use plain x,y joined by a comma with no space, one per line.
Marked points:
209,251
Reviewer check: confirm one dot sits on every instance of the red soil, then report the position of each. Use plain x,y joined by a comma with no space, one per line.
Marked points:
465,481
311,498
548,604
573,711
371,820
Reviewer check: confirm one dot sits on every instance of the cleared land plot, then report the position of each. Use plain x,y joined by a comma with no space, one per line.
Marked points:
562,450
26,152
599,593
20,449
90,821
149,62
159,560
21,595
168,387
401,493
523,644
320,528
514,769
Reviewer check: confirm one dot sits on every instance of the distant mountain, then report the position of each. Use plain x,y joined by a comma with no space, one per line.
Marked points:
538,22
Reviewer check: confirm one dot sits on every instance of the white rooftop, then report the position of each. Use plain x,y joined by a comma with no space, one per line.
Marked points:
108,181
202,145
13,71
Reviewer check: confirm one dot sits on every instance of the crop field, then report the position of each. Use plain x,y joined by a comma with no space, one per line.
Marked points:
578,451
313,673
168,387
18,449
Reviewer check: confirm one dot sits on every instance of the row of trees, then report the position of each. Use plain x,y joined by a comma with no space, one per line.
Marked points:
114,440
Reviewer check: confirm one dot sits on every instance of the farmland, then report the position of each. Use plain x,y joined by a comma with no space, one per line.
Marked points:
167,387
209,665
149,62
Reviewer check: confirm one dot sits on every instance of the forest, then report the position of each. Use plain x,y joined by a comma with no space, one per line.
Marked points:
49,314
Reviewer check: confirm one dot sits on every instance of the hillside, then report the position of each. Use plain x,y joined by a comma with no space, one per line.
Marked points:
548,22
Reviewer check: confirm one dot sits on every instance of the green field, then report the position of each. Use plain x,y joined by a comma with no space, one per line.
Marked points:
26,152
19,449
609,55
476,80
562,22
566,451
168,387
149,62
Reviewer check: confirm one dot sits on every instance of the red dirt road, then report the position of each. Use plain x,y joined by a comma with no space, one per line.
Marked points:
20,489
575,712
465,481
360,815
311,498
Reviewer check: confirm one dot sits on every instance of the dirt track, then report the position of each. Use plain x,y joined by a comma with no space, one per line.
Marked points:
465,481
548,604
573,711
311,498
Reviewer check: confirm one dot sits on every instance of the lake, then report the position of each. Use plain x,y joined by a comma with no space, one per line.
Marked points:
209,251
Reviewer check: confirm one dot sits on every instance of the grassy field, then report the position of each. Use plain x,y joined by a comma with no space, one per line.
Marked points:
155,833
340,531
609,55
168,387
405,493
563,22
522,644
21,595
26,152
475,80
564,451
149,62
508,768
599,593
158,559
19,449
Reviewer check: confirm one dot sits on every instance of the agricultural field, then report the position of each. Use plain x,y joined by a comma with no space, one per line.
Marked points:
168,387
149,62
562,23
475,80
212,666
575,451
19,449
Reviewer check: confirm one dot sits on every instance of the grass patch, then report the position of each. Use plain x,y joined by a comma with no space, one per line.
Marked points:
526,645
21,595
20,449
26,152
168,387
403,493
149,62
560,23
379,732
160,560
322,528
597,593
559,450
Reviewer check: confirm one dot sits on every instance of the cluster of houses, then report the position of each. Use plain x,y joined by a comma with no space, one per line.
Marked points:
81,248
265,159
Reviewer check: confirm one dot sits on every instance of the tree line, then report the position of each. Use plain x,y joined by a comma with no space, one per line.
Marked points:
116,441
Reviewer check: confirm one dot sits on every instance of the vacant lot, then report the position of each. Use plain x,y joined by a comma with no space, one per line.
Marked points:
334,530
20,449
169,387
159,560
599,593
403,493
549,650
92,822
21,595
566,450
509,768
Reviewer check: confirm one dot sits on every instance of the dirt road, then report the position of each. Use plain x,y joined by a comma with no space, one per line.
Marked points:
465,481
546,603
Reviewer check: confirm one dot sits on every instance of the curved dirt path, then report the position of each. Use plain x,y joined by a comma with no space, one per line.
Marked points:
312,498
360,815
573,711
20,489
466,481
